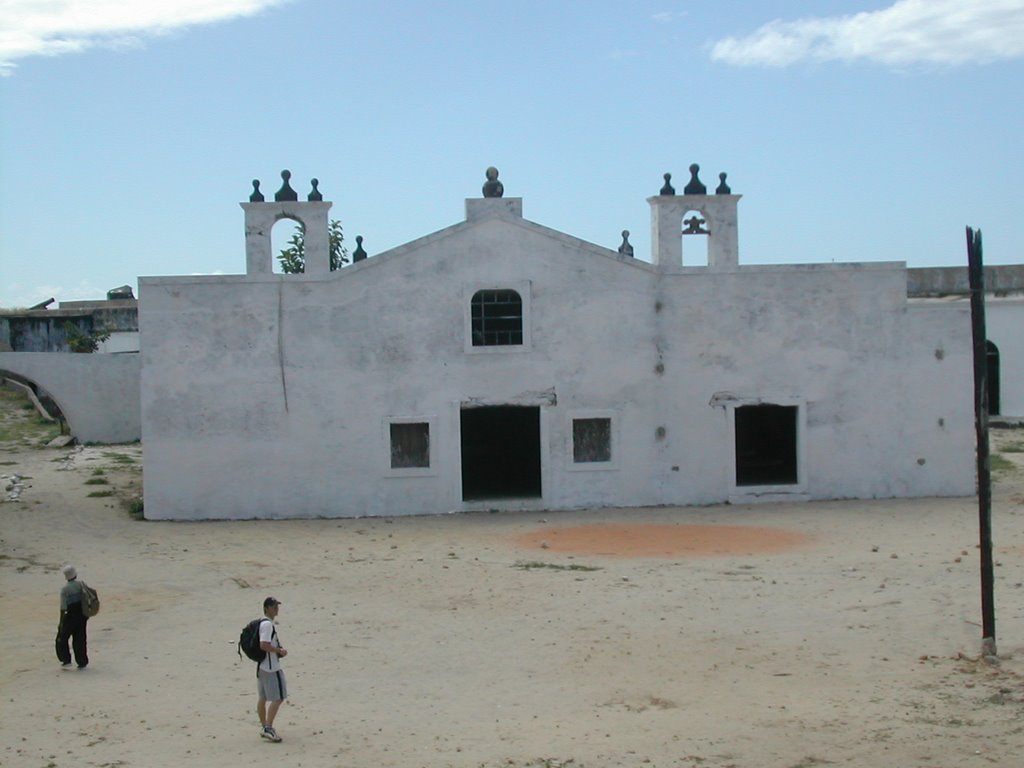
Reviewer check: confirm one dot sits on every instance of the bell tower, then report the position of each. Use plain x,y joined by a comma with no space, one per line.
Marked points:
260,217
717,221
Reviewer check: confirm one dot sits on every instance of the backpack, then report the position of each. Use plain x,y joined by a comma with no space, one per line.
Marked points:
249,640
90,601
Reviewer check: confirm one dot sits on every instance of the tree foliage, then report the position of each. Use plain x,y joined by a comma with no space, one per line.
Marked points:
293,258
84,341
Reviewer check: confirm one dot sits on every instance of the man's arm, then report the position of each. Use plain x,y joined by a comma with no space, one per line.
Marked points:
270,648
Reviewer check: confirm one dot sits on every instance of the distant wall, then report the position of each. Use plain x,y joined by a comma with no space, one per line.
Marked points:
946,281
98,394
44,330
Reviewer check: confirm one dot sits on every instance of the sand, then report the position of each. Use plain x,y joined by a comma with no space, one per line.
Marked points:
840,633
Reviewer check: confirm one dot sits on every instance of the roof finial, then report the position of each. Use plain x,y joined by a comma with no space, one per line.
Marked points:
723,188
493,187
625,249
668,189
358,254
256,196
314,194
695,187
285,193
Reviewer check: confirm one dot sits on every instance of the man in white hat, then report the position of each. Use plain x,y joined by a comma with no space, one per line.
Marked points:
72,621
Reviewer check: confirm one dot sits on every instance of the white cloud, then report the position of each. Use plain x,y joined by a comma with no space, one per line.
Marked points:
909,32
55,27
665,17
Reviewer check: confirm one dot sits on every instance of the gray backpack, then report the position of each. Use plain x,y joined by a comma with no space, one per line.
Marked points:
90,601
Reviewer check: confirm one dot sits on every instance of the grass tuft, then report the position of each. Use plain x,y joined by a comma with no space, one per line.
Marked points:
534,565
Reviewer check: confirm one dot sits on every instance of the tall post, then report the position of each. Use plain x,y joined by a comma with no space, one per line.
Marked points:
976,276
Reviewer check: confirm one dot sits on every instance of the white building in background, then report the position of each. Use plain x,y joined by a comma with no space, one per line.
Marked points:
501,364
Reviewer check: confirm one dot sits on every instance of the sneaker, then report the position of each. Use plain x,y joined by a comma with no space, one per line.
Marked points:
83,666
270,734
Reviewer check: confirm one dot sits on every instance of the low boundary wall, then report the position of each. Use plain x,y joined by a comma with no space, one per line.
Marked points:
97,393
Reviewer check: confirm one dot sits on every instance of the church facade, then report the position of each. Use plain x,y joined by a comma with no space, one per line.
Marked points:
499,364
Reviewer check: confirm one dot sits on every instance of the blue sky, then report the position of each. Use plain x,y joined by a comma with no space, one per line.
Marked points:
856,131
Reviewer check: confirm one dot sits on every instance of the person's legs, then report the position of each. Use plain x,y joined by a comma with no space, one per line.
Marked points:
79,642
63,636
272,712
271,687
261,710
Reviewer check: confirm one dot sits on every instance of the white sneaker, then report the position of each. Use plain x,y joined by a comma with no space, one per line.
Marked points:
270,734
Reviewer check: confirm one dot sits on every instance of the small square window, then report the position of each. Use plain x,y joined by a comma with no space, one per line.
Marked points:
591,440
410,445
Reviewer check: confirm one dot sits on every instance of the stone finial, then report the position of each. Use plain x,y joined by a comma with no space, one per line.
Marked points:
668,189
695,187
723,188
493,187
626,249
256,196
285,193
314,194
358,254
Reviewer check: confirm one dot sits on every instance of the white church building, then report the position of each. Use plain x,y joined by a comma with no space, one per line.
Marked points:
499,364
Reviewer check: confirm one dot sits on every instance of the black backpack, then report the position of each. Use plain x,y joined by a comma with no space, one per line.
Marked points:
249,641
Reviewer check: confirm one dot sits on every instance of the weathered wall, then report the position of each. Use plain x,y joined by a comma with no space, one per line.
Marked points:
98,394
948,281
1004,326
44,330
269,396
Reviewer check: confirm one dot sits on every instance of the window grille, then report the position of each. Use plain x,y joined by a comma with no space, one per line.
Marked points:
497,318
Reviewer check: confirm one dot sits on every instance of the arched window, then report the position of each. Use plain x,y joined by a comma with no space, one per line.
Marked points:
695,249
496,318
285,237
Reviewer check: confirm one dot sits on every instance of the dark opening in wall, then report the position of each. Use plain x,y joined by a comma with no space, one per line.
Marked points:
410,445
500,452
766,445
591,440
992,374
695,240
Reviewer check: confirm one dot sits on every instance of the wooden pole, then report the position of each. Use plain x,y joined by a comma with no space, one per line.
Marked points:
976,275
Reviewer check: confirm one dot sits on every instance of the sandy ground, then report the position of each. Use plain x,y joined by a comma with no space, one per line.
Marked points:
842,633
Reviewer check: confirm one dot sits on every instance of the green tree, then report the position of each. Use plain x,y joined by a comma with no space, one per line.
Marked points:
83,341
293,258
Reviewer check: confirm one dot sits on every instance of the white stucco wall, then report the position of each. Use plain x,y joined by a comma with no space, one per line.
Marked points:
269,395
98,394
1004,326
120,342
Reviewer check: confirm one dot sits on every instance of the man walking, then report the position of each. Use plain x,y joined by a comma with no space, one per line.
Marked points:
270,683
72,621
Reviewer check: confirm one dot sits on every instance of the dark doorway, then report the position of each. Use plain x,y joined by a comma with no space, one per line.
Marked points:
992,375
500,452
766,445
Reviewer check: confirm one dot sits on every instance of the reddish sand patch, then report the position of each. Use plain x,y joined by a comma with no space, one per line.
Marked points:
664,540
